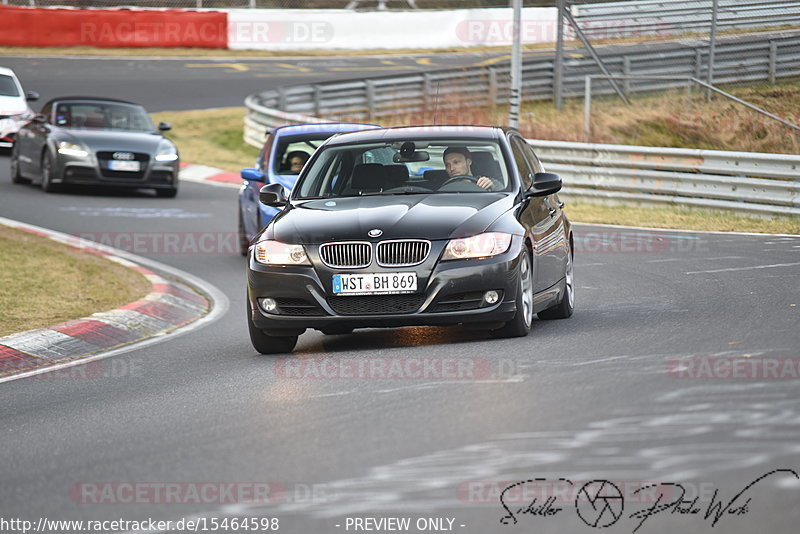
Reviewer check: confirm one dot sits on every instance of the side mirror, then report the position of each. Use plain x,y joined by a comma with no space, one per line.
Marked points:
164,126
39,118
544,183
252,175
272,195
30,96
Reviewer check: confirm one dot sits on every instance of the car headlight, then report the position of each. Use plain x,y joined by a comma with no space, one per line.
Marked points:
277,253
477,246
71,149
167,152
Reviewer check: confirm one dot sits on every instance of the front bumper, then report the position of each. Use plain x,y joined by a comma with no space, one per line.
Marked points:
448,293
88,171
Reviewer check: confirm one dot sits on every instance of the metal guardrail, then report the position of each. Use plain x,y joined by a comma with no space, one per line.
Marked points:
743,182
747,183
672,17
738,59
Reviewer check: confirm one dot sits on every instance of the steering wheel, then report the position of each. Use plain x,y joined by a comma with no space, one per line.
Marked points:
460,178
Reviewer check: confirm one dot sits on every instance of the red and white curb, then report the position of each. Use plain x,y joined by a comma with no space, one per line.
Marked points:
178,302
209,175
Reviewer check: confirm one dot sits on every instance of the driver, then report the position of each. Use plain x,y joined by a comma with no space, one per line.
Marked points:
295,160
458,162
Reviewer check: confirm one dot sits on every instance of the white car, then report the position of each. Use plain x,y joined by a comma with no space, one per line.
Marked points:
14,108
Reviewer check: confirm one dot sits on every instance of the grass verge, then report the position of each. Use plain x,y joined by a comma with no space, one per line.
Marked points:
33,297
210,137
678,218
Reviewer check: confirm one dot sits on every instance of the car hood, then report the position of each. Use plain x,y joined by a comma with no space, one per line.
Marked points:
106,140
12,105
433,216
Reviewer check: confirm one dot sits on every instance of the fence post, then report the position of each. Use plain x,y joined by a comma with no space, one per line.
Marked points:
712,45
199,4
626,71
558,66
773,60
698,62
587,109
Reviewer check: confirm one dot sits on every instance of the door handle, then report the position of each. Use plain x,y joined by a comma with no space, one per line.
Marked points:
552,212
560,204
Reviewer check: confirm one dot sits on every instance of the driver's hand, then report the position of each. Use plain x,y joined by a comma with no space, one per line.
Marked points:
485,182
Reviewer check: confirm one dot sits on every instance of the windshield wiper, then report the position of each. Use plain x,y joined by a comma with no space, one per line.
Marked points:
379,193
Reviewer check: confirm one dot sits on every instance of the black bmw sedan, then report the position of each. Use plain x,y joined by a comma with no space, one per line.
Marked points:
95,141
436,225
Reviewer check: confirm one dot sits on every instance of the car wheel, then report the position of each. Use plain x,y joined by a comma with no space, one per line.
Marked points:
167,193
16,175
47,174
563,309
266,344
244,243
520,325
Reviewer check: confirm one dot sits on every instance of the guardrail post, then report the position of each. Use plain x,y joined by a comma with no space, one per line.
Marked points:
626,71
282,98
370,87
492,86
773,60
317,99
587,109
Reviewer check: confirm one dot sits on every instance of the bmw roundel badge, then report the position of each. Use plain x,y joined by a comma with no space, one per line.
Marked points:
375,232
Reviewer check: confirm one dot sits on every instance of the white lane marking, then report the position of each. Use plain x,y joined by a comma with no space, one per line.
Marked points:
729,269
650,229
662,261
219,302
136,213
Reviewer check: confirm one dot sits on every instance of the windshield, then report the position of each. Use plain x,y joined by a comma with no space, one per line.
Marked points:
8,86
102,116
414,166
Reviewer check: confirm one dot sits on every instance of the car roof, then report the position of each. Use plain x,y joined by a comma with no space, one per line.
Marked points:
92,99
7,71
322,127
449,132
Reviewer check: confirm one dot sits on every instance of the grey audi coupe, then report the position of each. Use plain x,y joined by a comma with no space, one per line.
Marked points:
95,141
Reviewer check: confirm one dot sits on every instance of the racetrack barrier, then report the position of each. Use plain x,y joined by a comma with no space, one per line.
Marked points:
113,28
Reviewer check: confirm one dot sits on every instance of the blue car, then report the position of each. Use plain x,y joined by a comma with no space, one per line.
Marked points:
285,146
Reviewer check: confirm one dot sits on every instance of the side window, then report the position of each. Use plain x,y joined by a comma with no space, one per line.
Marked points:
532,157
523,166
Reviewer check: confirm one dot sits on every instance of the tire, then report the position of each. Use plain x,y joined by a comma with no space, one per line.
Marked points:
16,175
167,193
266,344
563,309
47,174
521,324
244,243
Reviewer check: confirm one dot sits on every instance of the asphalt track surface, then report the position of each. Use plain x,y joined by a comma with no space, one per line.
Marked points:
596,396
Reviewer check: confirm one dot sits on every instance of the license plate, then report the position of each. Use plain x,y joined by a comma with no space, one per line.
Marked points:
374,283
130,166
